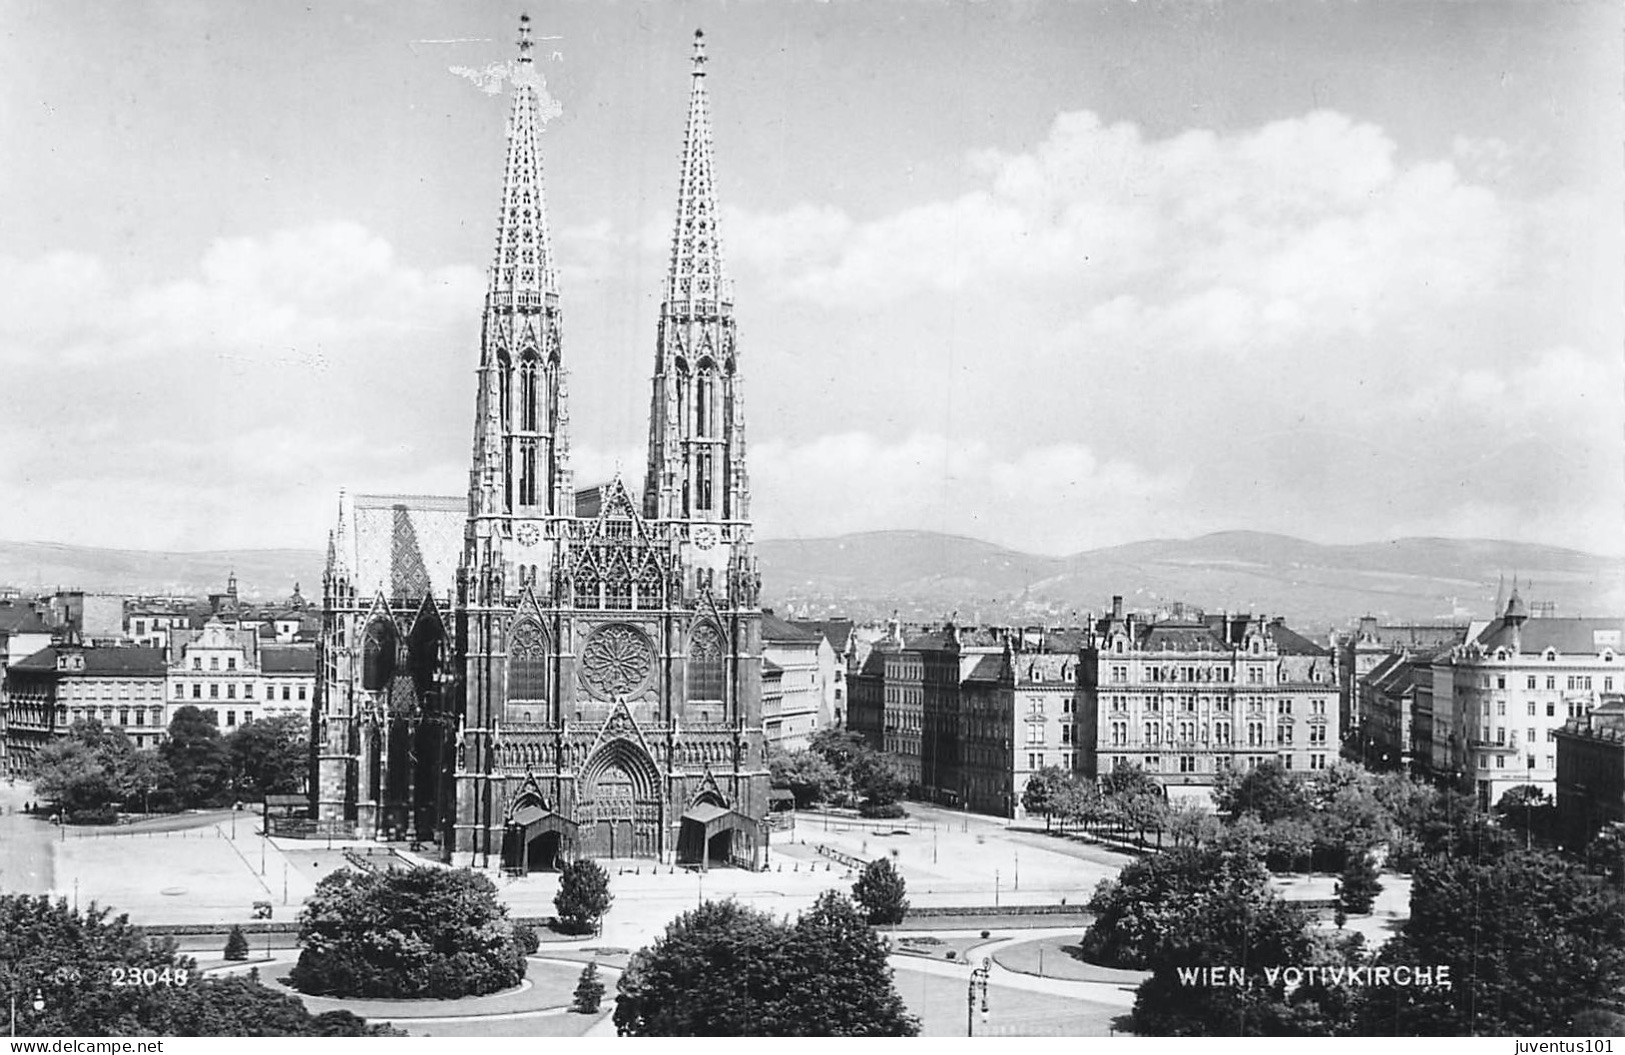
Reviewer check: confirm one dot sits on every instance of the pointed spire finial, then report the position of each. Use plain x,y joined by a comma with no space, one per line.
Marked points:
699,53
524,38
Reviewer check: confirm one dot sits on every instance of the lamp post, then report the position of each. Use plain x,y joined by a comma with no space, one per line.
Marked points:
38,1004
978,982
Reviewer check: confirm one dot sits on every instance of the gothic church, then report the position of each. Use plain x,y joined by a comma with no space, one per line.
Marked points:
537,674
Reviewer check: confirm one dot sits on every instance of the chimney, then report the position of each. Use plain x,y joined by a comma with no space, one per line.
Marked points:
1117,606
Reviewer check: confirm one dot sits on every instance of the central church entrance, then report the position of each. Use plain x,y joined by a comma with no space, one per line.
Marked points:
620,809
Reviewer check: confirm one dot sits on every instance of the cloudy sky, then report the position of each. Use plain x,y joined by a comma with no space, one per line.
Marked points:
1054,275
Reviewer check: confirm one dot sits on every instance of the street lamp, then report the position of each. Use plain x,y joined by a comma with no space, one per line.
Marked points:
978,982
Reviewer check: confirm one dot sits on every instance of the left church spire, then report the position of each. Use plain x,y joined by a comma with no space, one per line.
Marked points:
520,469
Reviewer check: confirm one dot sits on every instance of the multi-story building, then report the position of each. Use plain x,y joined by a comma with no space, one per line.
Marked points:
1514,685
1021,712
121,687
841,634
799,700
528,673
1191,695
1359,652
1591,772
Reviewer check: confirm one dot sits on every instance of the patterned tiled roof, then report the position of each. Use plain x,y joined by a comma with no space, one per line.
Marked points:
405,546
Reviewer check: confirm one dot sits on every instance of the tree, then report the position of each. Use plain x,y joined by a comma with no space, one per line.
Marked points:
727,970
807,775
1186,910
1357,888
1531,940
1605,854
880,890
1528,807
419,932
878,778
1191,824
839,981
589,992
90,771
583,896
839,747
717,971
269,757
1291,842
1267,791
196,758
236,944
1043,792
73,960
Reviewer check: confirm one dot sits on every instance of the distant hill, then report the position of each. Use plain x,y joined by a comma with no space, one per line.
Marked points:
926,576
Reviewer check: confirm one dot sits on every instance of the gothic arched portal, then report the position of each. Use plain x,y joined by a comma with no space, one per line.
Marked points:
619,807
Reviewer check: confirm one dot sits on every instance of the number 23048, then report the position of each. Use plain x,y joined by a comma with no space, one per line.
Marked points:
126,977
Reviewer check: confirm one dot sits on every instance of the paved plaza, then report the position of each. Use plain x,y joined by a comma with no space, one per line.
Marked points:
211,868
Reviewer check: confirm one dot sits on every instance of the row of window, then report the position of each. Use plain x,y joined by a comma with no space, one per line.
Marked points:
1153,733
196,693
1189,763
1575,708
1190,704
1575,682
1501,762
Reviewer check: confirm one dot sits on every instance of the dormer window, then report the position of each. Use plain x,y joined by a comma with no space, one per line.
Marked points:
1551,655
1501,655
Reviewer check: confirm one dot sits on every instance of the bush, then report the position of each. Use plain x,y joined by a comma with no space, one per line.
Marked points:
423,932
236,944
589,990
583,895
882,810
527,938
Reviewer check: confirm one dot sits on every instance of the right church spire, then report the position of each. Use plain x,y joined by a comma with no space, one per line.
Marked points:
696,468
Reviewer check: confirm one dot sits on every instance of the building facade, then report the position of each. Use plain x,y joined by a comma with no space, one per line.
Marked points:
533,674
1511,689
121,687
1591,772
801,699
1191,695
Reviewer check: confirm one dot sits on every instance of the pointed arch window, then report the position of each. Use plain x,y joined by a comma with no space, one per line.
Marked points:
378,655
705,390
505,389
705,664
529,392
527,472
649,583
587,587
618,586
703,470
527,664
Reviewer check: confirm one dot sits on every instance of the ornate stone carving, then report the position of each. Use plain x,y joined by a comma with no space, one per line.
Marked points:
617,662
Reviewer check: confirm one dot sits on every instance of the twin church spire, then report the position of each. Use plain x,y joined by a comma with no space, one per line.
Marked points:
520,479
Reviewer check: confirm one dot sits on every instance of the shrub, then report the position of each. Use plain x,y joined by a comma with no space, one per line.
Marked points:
589,990
422,932
526,937
882,810
236,944
583,895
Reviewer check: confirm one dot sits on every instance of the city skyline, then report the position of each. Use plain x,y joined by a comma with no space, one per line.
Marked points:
1055,277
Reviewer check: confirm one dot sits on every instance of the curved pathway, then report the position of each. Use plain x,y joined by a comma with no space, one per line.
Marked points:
532,998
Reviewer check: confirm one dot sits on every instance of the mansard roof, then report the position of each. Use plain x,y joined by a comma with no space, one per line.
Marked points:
1575,637
1289,642
115,661
287,659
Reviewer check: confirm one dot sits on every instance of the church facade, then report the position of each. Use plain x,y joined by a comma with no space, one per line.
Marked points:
536,674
